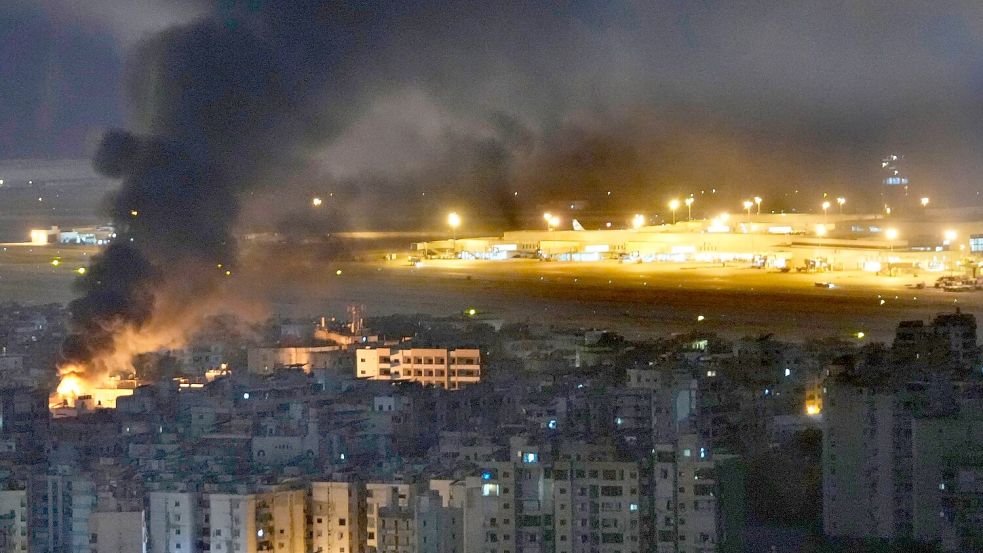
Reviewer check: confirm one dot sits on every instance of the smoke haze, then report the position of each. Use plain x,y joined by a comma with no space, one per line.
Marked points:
396,112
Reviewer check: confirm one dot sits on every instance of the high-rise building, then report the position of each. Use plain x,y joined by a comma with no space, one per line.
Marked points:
947,477
337,512
866,447
261,521
698,499
885,450
175,521
60,507
579,502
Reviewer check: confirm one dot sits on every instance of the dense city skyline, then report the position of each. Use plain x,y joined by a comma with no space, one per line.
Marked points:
490,277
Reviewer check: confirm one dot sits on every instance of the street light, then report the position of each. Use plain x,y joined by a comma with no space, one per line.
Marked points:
748,204
924,202
757,200
549,220
316,202
820,230
891,234
554,222
638,221
949,235
454,221
673,206
840,201
689,208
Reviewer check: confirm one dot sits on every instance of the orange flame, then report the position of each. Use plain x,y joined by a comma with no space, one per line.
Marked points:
70,386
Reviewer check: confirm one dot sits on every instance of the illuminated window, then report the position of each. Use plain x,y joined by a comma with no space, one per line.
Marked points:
976,243
490,489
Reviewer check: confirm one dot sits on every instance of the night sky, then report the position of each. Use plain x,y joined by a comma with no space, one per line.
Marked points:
672,96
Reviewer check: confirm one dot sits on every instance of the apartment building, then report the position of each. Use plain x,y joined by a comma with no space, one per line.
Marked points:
174,521
866,464
947,476
118,530
448,369
440,519
379,496
337,513
244,520
697,498
59,509
262,521
13,521
580,502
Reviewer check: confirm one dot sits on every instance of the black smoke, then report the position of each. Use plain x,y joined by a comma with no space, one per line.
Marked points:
220,106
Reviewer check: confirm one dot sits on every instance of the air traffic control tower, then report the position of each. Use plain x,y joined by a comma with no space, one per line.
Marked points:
894,186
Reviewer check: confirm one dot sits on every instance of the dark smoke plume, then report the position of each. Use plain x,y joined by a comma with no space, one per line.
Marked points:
220,106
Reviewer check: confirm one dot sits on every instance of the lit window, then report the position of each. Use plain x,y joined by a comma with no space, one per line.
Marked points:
490,489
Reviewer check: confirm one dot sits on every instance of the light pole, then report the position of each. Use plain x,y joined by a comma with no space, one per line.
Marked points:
924,202
689,208
748,204
673,206
454,221
891,234
825,209
638,221
949,236
757,201
551,221
840,201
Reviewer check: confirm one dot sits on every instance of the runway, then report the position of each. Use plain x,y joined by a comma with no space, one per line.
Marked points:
638,300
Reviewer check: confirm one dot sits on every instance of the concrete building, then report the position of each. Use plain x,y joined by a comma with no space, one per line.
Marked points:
175,521
396,530
440,519
871,477
947,481
337,511
308,358
60,508
13,521
118,531
864,446
383,495
948,342
579,502
261,521
448,369
697,499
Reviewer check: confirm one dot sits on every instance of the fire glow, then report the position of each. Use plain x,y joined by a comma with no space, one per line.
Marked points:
70,388
77,392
